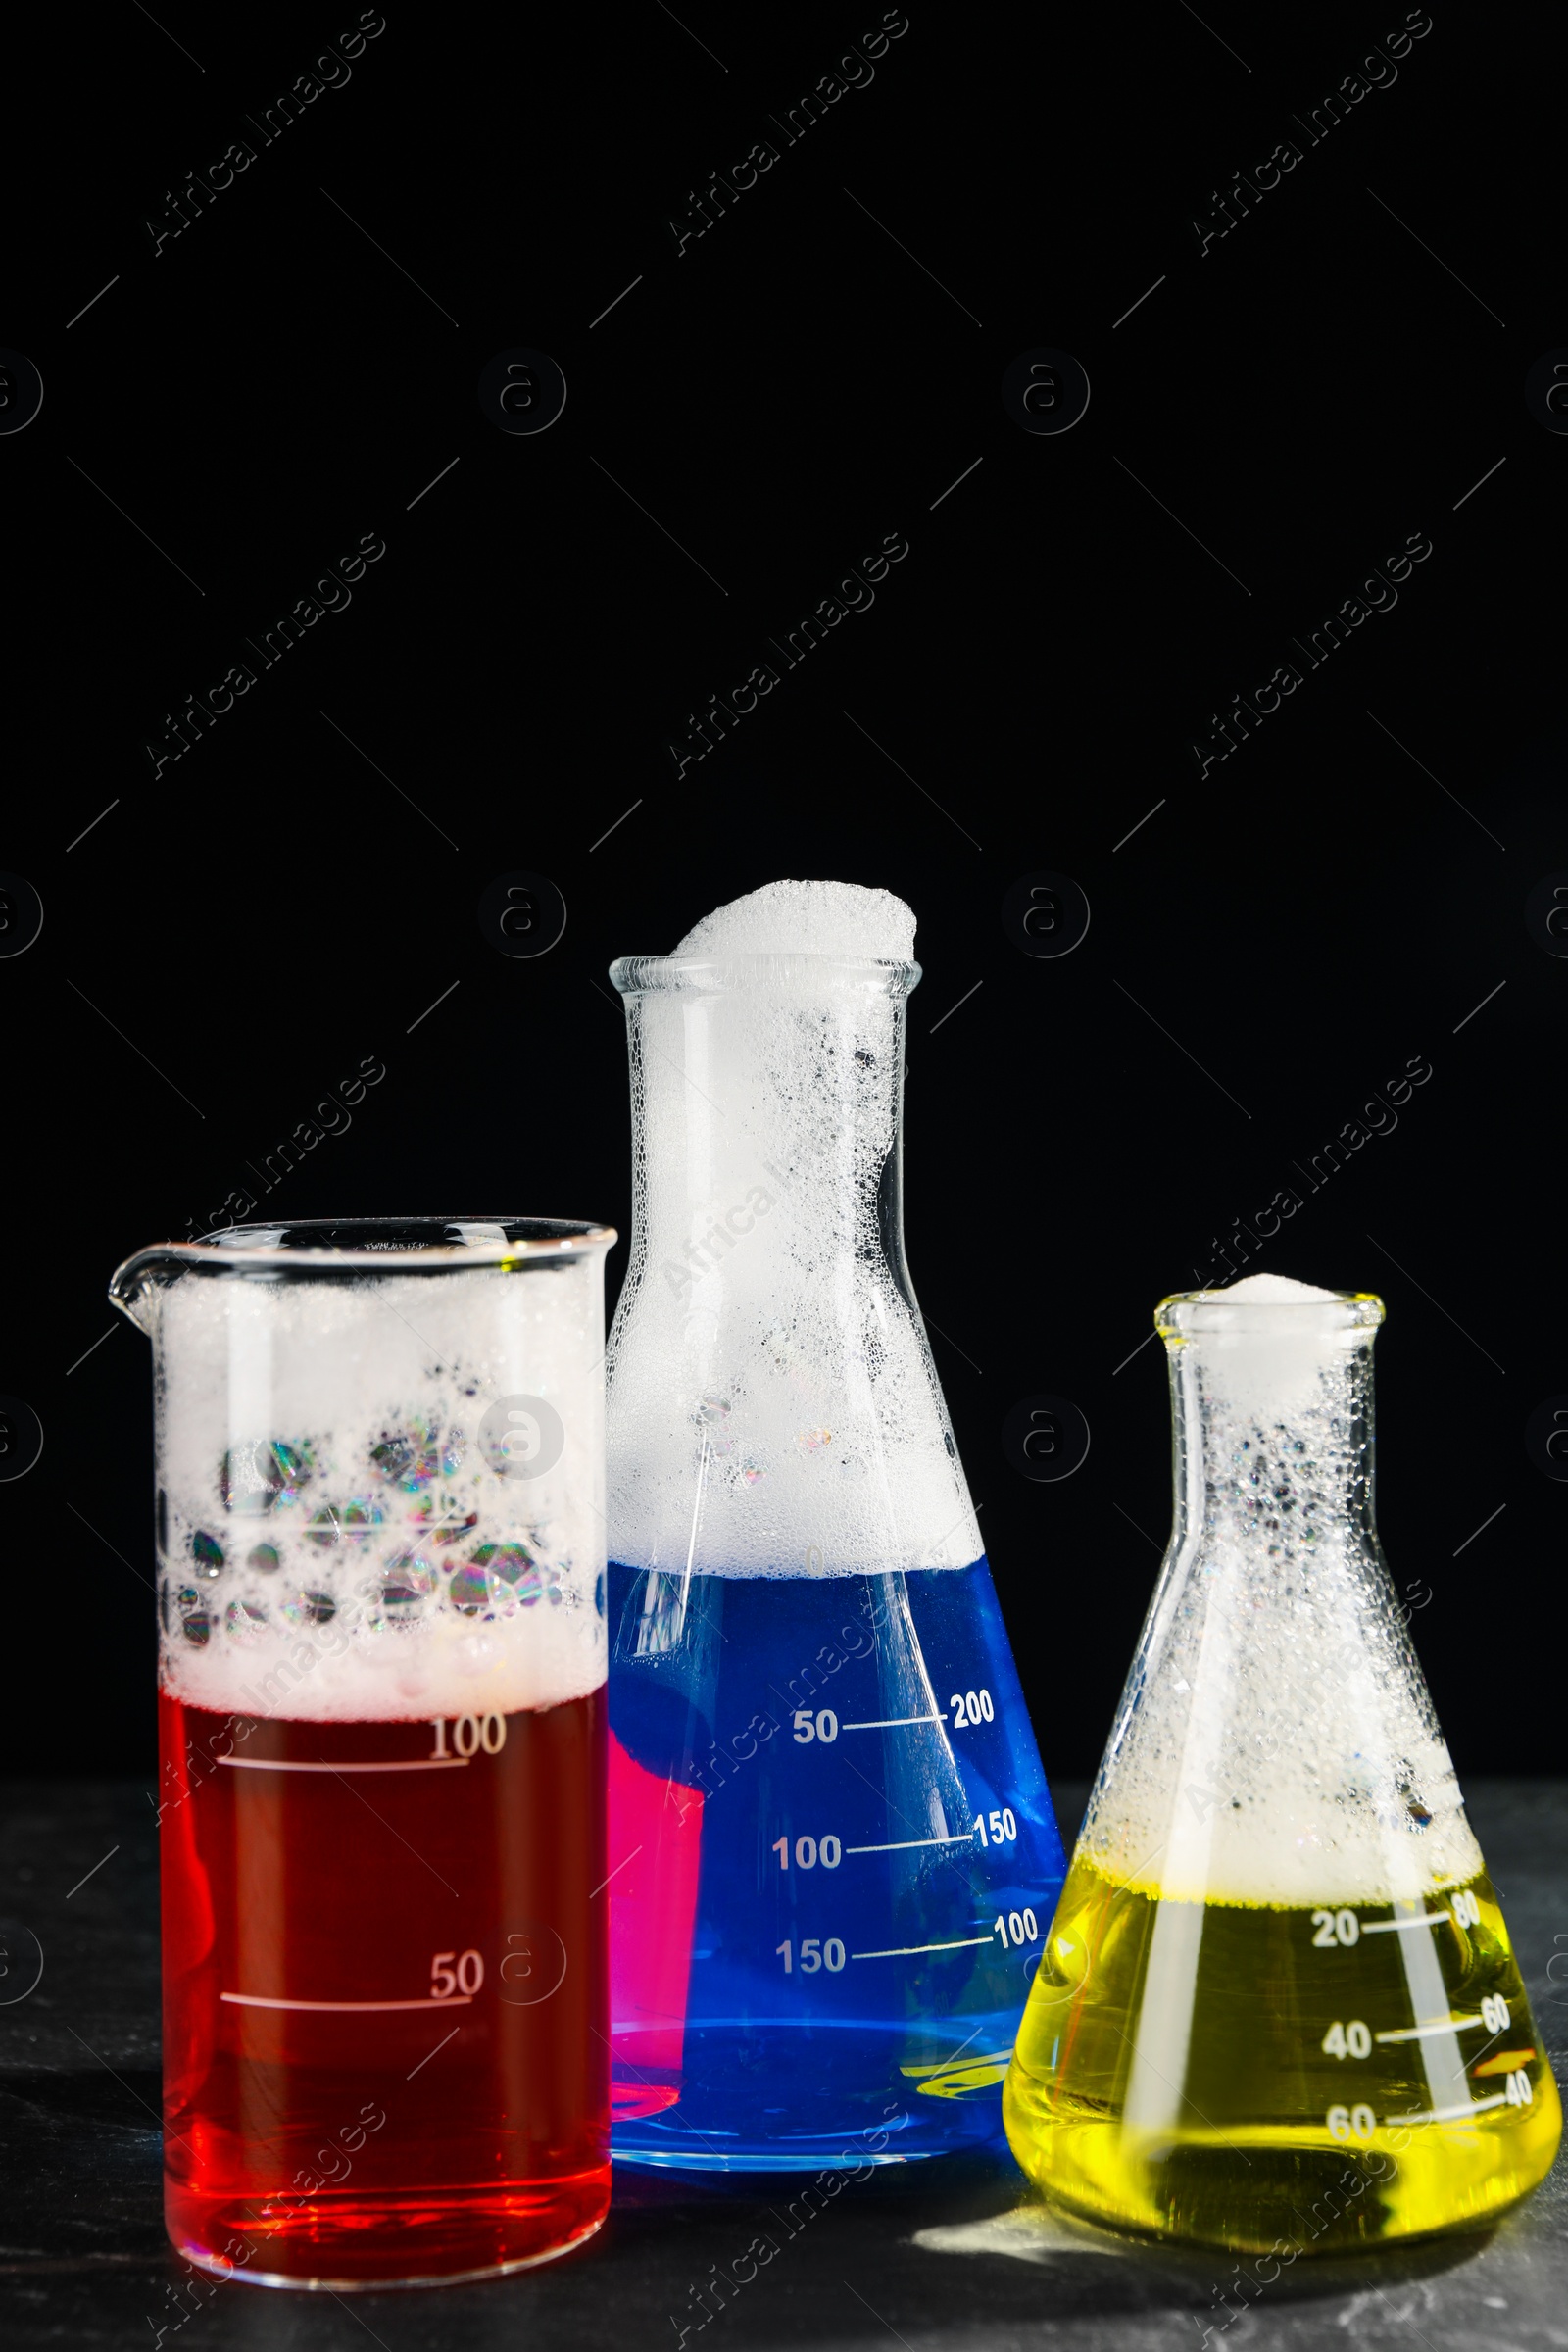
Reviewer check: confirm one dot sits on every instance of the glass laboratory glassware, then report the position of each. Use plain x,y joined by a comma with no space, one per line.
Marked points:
382,1668
1278,2008
833,1854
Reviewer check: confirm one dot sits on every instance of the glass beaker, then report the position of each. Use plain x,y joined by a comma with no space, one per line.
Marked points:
832,1849
1278,2009
381,1667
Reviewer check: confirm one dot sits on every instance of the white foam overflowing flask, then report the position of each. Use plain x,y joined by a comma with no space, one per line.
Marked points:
832,1849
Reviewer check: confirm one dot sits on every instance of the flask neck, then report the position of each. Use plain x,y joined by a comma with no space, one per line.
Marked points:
764,1107
1276,1742
1273,1447
772,1395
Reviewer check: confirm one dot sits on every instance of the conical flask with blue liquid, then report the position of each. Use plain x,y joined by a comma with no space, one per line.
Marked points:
833,1853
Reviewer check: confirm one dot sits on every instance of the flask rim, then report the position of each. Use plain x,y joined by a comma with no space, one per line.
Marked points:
347,1246
664,975
1200,1314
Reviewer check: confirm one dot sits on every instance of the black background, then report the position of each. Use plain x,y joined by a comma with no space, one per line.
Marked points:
1282,936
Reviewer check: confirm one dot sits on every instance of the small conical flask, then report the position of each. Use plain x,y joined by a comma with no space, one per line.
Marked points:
832,1851
1278,2009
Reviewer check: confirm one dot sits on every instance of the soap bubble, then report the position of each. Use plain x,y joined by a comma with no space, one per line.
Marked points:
194,1621
398,1596
414,1454
207,1554
450,1528
469,1590
309,1609
265,1474
525,1578
352,1523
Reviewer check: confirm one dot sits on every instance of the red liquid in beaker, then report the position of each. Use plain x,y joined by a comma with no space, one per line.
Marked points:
384,1991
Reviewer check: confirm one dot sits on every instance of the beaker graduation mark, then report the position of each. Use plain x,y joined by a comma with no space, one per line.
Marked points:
260,2000
296,1764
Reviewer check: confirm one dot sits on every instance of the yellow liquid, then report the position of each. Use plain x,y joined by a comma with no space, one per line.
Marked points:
1179,2071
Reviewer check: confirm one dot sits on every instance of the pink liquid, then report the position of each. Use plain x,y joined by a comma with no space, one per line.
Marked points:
652,1915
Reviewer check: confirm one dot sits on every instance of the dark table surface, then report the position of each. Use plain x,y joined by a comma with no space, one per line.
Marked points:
954,2253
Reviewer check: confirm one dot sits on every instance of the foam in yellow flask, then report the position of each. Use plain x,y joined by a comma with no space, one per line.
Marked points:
1278,2010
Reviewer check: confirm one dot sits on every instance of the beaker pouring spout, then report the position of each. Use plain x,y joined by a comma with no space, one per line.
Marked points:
138,1286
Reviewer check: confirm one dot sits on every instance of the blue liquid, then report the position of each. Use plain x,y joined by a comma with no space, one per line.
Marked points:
807,1965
